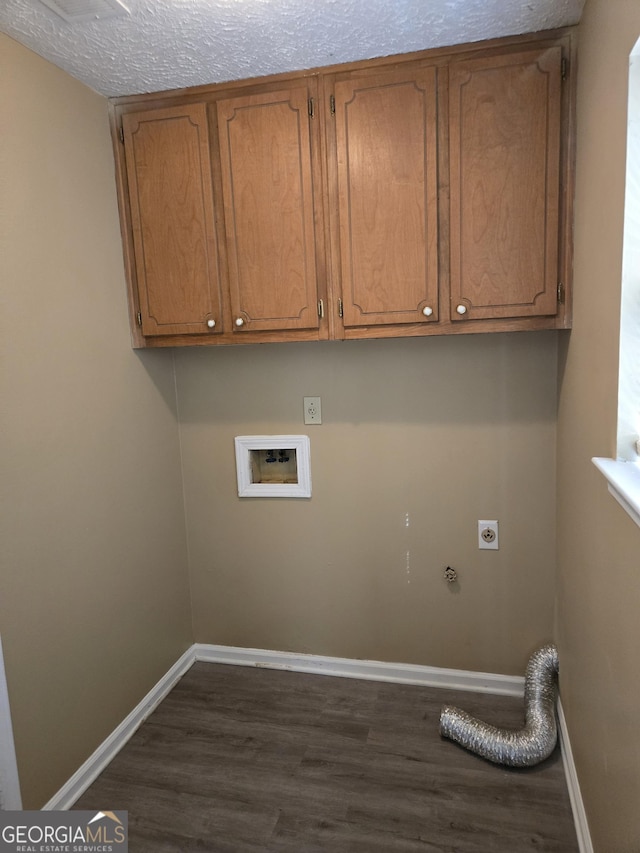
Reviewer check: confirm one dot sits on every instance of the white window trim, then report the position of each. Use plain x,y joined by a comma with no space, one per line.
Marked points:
624,483
623,473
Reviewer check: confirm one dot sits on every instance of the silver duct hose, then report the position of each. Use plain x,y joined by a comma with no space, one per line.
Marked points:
527,746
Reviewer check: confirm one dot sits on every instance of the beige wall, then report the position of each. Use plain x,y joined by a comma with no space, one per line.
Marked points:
93,588
599,545
420,438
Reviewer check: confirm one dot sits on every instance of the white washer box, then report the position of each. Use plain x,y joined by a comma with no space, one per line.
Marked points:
273,466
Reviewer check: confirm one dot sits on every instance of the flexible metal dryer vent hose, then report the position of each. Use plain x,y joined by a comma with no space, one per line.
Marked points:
523,748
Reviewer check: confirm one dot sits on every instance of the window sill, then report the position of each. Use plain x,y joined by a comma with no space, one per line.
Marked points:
624,483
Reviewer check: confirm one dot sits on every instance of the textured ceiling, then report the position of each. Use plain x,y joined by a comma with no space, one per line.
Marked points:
165,44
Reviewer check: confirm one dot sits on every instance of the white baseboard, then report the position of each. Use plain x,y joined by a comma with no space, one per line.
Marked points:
428,676
10,798
575,796
109,748
402,673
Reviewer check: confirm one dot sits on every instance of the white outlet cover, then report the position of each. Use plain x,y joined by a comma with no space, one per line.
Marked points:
483,544
312,410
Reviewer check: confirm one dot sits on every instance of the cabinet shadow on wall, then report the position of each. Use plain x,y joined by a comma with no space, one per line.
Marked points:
502,378
159,366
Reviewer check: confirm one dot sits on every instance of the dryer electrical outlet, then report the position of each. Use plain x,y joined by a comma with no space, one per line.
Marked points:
488,535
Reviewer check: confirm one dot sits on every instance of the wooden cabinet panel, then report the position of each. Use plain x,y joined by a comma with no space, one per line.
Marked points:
504,133
267,181
171,200
386,139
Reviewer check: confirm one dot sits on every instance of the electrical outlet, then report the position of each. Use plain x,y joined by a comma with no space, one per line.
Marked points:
488,535
312,410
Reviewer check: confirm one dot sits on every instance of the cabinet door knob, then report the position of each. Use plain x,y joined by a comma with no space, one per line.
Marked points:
239,322
211,324
461,309
427,311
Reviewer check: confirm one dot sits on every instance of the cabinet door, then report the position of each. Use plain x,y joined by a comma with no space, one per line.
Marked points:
504,120
387,196
171,199
267,172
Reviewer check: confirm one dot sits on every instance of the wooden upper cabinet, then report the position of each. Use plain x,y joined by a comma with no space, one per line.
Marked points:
504,149
411,195
266,144
168,174
387,187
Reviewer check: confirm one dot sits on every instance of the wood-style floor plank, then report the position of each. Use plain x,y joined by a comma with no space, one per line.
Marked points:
243,760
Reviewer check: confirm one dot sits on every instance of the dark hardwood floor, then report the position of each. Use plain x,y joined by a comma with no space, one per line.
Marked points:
241,760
